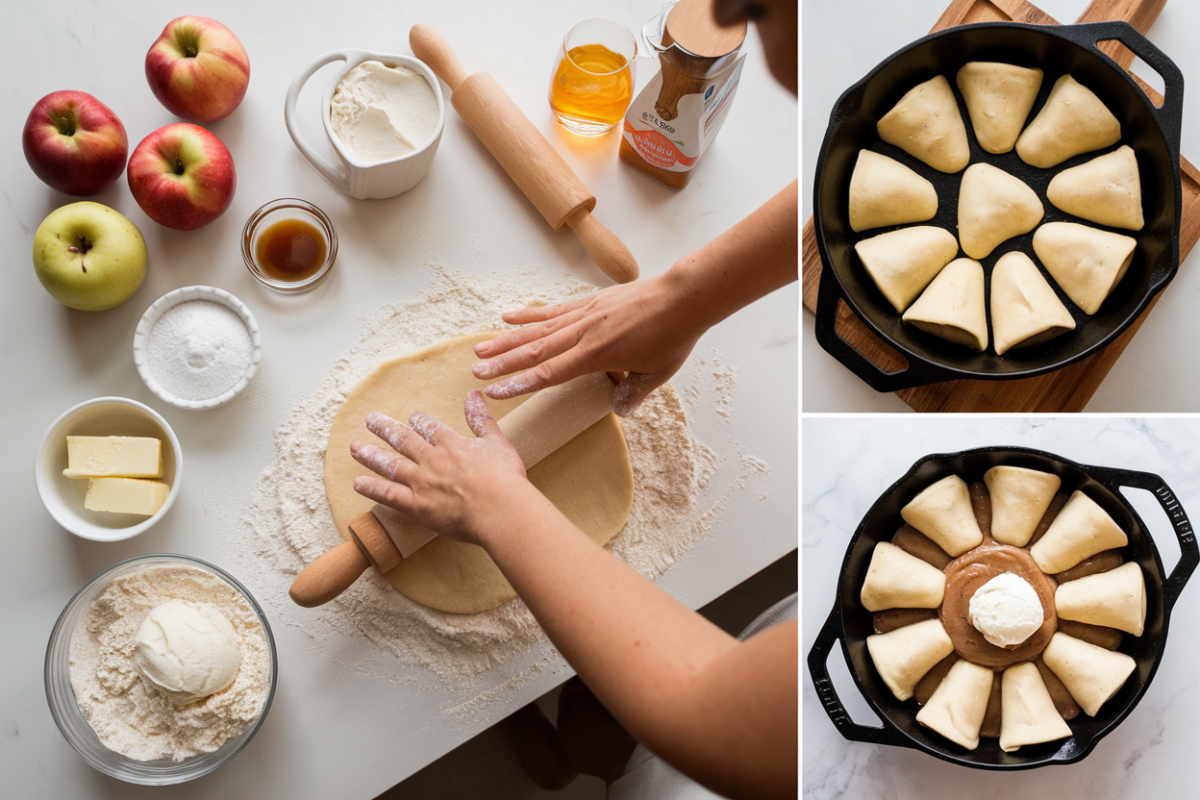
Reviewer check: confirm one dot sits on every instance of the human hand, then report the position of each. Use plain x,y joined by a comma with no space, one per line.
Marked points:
447,482
641,328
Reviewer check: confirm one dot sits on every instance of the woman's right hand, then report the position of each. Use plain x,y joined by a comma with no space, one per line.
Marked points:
642,328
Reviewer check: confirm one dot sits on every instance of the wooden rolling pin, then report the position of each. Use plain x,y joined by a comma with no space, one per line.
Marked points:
526,156
383,537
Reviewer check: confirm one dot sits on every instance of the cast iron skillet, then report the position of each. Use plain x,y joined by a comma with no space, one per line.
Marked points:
851,623
1152,132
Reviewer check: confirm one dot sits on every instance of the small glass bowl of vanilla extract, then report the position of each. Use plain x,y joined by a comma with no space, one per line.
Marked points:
289,245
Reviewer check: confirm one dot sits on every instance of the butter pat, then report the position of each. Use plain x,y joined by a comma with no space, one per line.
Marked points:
380,112
126,496
113,456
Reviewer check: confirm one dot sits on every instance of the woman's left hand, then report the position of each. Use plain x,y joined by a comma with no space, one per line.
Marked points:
448,482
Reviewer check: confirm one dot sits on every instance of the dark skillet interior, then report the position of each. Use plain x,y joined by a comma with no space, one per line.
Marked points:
852,127
883,520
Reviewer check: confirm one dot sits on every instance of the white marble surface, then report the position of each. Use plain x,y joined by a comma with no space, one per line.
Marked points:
849,462
346,722
842,42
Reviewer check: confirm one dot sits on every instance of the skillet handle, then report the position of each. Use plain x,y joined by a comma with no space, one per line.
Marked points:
917,373
1189,552
817,657
1170,113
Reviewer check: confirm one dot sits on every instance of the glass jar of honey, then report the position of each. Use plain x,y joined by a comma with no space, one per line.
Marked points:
675,118
593,77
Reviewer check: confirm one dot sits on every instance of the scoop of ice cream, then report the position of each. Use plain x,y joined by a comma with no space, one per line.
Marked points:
187,650
1006,610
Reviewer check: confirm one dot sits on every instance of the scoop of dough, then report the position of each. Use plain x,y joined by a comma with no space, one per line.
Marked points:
943,513
1027,713
952,307
1113,599
897,580
1072,121
926,125
903,262
1025,310
1106,190
1086,262
1091,674
1020,497
885,192
994,206
904,655
1080,530
999,98
959,703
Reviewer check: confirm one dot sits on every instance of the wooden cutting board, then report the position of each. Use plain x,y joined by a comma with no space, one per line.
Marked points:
1067,389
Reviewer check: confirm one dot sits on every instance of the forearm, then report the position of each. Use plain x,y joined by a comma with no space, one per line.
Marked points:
749,261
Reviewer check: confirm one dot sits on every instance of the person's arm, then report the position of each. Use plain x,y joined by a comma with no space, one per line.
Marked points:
722,711
648,327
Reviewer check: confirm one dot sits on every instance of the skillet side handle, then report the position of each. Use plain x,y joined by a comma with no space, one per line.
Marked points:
1189,552
818,668
916,374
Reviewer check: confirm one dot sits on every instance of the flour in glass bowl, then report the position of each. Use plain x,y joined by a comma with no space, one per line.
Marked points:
199,350
291,524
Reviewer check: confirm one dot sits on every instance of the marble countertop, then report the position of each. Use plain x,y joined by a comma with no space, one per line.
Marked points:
842,42
848,462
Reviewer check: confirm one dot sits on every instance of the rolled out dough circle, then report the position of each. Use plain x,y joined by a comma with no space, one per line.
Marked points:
589,479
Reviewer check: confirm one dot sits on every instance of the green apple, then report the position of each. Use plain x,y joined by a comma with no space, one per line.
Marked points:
89,256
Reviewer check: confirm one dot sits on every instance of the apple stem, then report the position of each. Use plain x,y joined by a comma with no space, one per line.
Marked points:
178,165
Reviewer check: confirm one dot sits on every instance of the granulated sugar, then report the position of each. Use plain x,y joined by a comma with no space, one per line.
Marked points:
293,524
199,350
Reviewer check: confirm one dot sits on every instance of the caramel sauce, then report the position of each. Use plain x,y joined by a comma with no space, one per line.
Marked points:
291,250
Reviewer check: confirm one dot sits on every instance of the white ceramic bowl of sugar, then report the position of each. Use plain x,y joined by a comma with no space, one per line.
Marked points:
63,496
142,340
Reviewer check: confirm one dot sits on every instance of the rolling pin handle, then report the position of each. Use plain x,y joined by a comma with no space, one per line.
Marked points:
610,253
329,575
429,46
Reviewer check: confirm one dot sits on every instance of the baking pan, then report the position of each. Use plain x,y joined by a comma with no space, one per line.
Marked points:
850,623
1152,132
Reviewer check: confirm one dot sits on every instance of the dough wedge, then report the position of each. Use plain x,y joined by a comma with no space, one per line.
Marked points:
1091,674
1027,715
1113,599
1020,497
1073,121
999,98
958,705
925,123
1106,190
1086,262
942,511
885,192
904,655
903,262
1025,310
1080,530
896,579
993,207
952,306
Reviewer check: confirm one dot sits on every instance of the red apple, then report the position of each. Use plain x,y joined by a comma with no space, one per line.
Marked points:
182,176
198,69
75,143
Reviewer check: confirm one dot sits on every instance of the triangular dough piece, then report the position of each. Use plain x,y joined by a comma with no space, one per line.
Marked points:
1113,599
999,98
943,512
1106,190
904,655
926,125
1086,262
897,580
959,703
1020,497
1072,121
952,307
1027,714
1091,674
1080,530
903,262
1025,310
885,192
993,207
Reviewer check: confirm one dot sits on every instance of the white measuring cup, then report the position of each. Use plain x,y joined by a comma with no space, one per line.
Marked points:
353,176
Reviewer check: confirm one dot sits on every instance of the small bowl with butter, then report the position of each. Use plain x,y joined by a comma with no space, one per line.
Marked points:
109,469
384,116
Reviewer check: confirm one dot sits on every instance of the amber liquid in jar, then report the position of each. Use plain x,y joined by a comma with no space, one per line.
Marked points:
592,85
290,250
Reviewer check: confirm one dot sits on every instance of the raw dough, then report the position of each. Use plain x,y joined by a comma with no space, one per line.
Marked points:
1028,715
903,656
1113,599
1020,497
999,98
903,262
1072,121
1091,674
1080,530
590,479
959,703
1106,190
952,306
942,511
885,192
896,579
993,207
1025,310
926,125
1087,262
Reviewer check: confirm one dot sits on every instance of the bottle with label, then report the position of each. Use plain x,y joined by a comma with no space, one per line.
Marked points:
675,118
